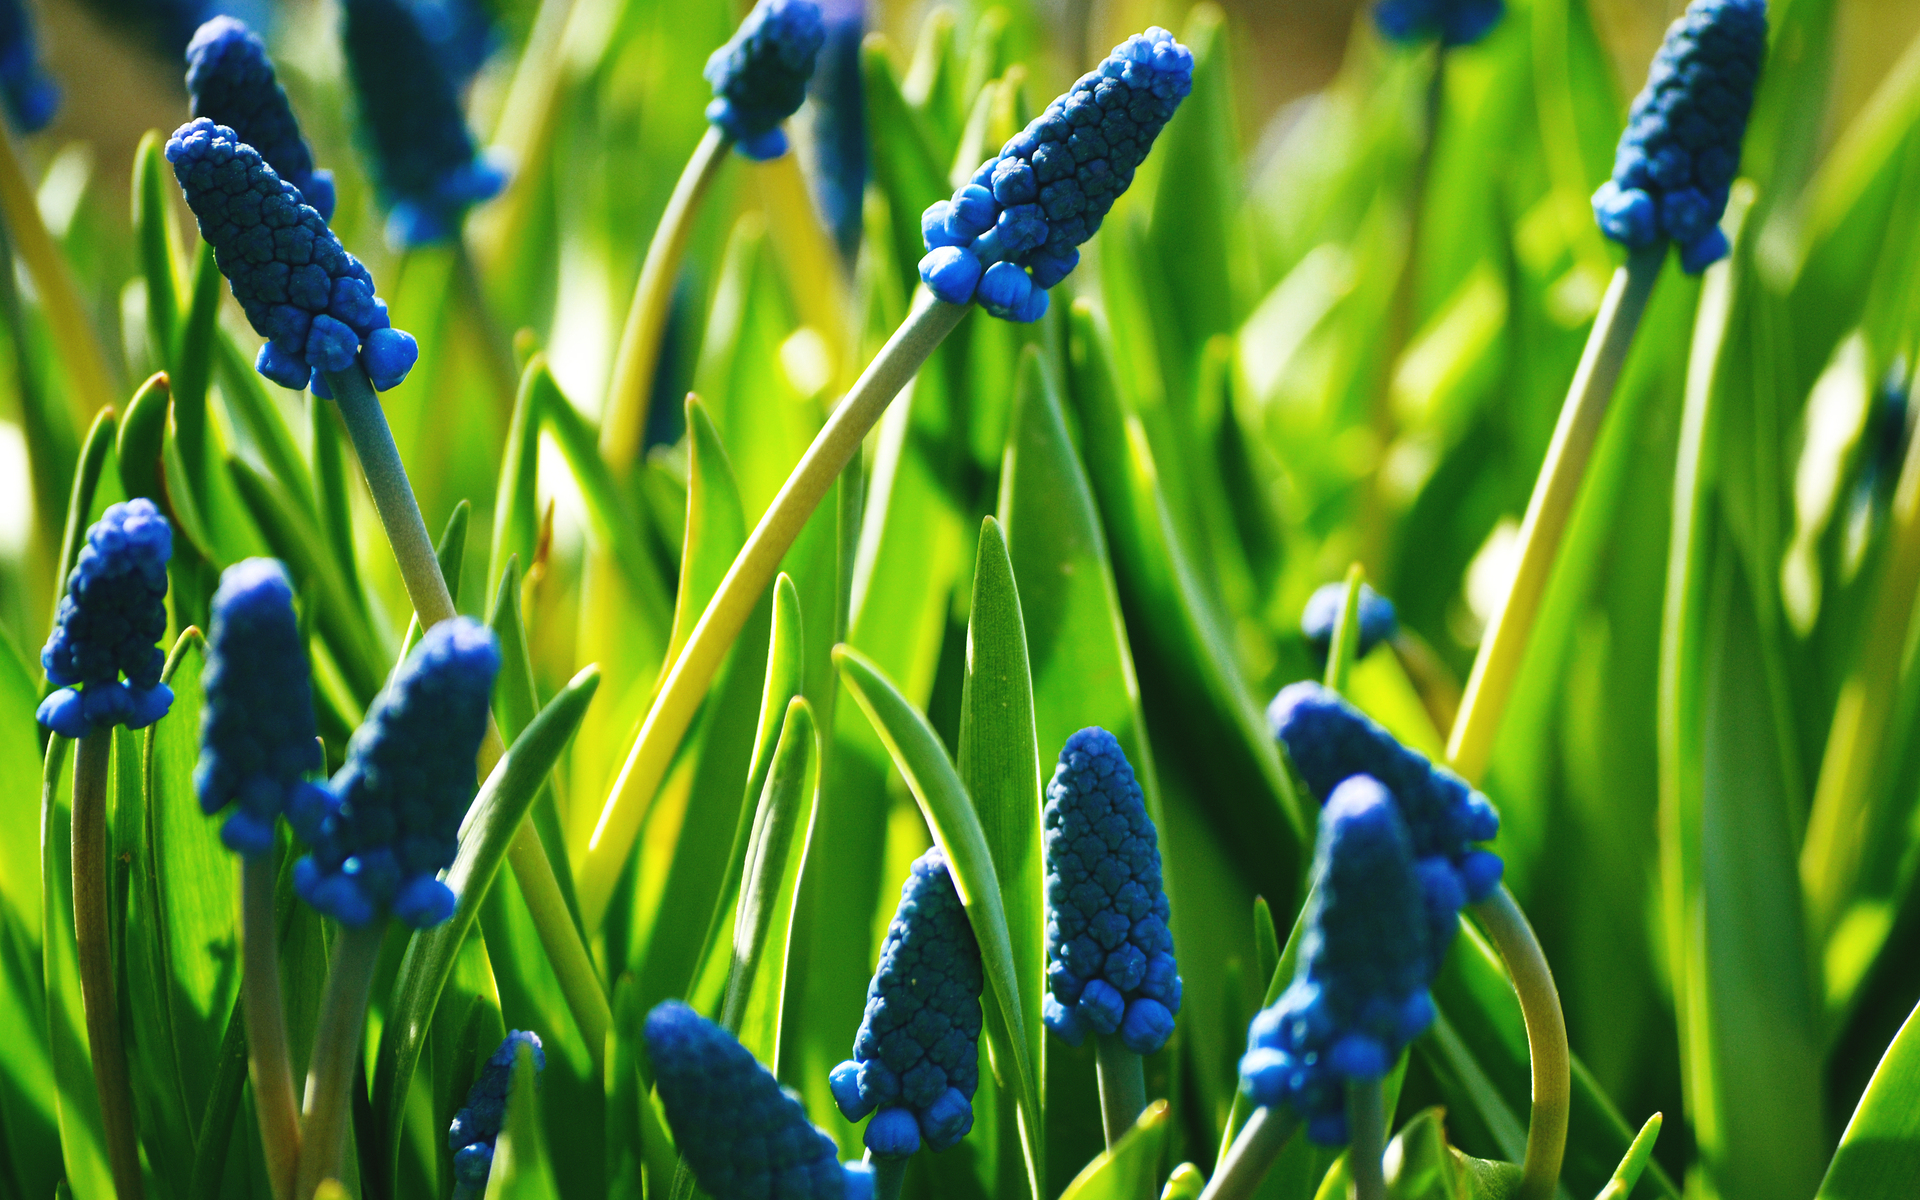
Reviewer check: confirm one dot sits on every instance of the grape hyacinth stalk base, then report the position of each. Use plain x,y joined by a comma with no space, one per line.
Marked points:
1507,928
889,1174
753,569
1252,1154
336,1053
1367,1144
94,955
1123,1086
268,1065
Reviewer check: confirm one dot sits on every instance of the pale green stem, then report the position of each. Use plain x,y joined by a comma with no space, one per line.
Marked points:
639,351
1507,928
888,1175
1252,1154
1123,1086
753,569
1367,1138
268,1064
94,954
560,938
1554,495
336,1054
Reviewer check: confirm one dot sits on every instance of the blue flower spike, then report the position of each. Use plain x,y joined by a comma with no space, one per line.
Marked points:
743,1135
1015,229
1681,149
32,98
840,123
760,76
393,818
1110,964
428,170
257,735
113,613
476,1127
1454,22
1359,994
230,81
1378,621
299,287
916,1061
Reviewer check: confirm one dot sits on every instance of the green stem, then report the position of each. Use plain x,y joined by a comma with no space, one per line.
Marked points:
269,1065
1345,646
1506,926
94,953
496,345
888,1175
560,938
1367,1138
1551,507
1123,1086
753,569
1252,1154
633,364
336,1055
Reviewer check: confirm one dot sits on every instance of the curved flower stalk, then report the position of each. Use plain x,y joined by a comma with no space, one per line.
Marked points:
476,1127
1454,22
742,1134
32,98
230,81
916,1061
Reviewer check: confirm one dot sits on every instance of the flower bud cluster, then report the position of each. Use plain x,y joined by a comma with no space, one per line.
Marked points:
230,81
114,610
476,1127
760,76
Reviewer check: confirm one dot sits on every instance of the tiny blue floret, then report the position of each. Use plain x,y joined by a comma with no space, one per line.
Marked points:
32,98
1454,22
760,76
114,610
917,1057
476,1127
230,81
1378,621
1681,149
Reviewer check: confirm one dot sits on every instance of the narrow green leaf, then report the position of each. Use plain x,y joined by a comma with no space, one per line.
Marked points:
221,1118
451,553
77,1105
1132,1167
257,418
1633,1162
157,238
716,524
906,165
86,479
516,702
192,365
790,783
142,432
516,519
1879,1154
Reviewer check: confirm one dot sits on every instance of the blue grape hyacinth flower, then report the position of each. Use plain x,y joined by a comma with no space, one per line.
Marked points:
1454,22
394,818
743,1135
476,1127
257,735
917,1057
1378,621
461,34
760,76
113,613
1015,229
299,287
1110,964
838,91
230,81
1359,994
425,162
1681,149
32,98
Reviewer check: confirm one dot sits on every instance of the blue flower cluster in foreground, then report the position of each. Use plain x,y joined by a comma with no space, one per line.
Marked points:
299,287
1378,621
1015,229
1359,994
743,1135
477,1125
394,820
917,1057
760,76
257,736
31,97
1681,149
230,81
114,610
1455,22
1110,964
424,158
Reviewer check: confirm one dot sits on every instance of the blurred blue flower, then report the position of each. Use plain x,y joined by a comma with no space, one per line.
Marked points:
32,98
476,1127
1015,229
1454,22
1681,149
1378,621
299,287
461,34
230,81
840,123
114,610
917,1056
760,76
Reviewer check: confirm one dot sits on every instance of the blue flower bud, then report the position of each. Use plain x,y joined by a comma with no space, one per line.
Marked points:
299,287
424,160
917,1056
1110,964
1359,994
1050,186
760,76
1681,148
397,803
31,97
476,1127
230,81
114,610
1378,621
743,1135
257,736
838,92
1454,22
